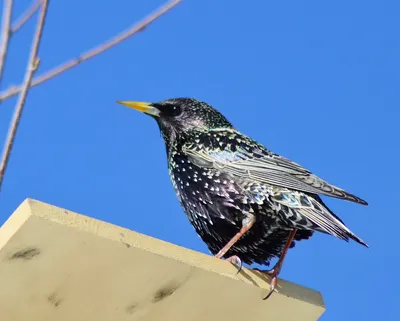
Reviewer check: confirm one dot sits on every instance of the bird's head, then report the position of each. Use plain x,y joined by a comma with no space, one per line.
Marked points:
180,116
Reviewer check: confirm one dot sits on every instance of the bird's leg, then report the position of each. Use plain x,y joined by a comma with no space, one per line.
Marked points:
234,259
234,239
274,272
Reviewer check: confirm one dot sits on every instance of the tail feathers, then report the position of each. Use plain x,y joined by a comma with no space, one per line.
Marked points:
331,224
313,210
357,239
350,234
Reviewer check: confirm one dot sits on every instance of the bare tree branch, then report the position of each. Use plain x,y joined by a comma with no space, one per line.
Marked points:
30,70
26,15
5,33
13,90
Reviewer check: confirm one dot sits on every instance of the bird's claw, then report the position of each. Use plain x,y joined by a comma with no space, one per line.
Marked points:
272,286
236,261
273,273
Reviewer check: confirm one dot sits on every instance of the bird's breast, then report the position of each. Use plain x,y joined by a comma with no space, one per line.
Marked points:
204,193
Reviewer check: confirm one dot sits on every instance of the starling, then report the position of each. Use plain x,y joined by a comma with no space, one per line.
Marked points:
246,203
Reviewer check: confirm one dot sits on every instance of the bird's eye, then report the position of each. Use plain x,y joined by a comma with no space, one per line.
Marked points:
172,111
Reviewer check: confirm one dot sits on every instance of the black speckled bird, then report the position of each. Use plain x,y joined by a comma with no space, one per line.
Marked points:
245,202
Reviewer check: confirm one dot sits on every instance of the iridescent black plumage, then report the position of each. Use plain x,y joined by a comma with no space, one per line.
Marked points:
223,179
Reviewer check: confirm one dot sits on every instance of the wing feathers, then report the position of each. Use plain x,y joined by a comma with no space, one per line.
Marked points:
251,160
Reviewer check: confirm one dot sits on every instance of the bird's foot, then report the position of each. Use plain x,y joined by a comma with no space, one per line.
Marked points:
236,261
273,273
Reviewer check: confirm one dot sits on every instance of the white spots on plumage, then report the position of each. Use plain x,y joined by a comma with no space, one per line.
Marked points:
201,214
193,205
202,200
224,192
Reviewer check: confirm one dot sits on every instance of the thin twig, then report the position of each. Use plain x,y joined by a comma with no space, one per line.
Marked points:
13,90
25,16
5,33
30,70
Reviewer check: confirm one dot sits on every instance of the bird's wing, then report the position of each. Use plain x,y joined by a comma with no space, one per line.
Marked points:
242,157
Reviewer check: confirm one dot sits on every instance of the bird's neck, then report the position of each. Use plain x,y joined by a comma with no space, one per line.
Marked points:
174,141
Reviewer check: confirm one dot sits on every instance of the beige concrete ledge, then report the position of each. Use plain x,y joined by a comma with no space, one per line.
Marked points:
56,265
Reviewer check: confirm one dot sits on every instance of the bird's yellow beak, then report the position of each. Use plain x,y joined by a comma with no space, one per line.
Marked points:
141,106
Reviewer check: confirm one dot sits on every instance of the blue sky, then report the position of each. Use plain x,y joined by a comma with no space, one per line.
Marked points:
315,81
